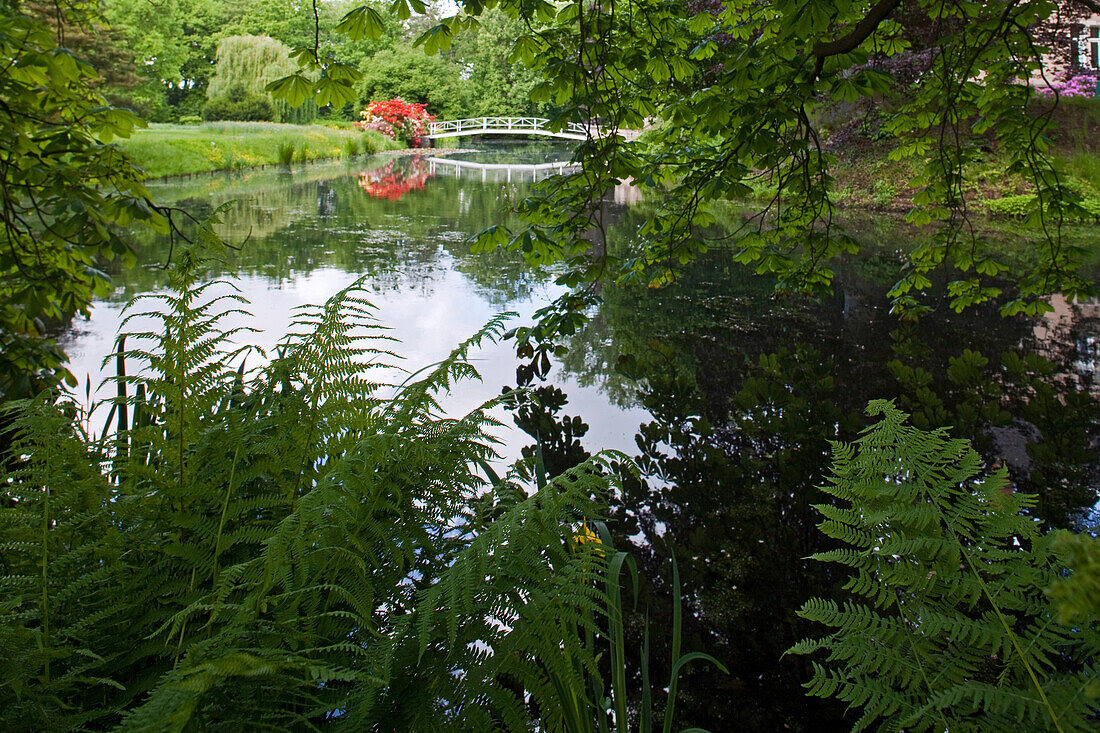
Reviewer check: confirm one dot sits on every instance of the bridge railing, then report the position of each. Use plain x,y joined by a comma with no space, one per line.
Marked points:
481,124
498,171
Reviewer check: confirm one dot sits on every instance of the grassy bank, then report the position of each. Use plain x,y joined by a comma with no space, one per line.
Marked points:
173,150
873,181
867,178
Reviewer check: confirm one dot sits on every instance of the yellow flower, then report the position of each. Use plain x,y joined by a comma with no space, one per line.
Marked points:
585,535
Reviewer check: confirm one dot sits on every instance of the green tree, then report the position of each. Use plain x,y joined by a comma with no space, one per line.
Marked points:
63,190
246,65
498,85
174,43
288,21
405,72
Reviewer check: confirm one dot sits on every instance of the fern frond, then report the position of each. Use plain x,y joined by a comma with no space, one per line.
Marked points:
957,633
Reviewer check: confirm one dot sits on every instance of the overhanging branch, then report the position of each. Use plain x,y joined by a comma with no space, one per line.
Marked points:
860,33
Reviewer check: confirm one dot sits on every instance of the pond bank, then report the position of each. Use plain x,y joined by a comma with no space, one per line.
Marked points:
870,180
167,151
867,178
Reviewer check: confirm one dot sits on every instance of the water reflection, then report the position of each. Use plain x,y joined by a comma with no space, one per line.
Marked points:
725,395
305,233
498,172
746,390
396,178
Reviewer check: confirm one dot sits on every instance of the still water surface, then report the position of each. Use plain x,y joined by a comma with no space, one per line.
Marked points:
725,395
306,233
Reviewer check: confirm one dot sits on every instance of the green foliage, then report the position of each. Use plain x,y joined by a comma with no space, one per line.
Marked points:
288,545
239,106
496,81
246,65
1078,595
408,74
948,627
63,190
1023,205
370,144
883,193
732,90
285,152
170,150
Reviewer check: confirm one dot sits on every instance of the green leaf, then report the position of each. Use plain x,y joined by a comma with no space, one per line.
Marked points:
435,39
336,92
525,50
362,23
294,89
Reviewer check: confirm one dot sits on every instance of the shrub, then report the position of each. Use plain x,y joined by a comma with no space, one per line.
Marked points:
397,120
239,106
190,120
1079,85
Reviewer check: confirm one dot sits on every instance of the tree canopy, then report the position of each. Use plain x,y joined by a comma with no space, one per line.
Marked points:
63,189
735,92
169,53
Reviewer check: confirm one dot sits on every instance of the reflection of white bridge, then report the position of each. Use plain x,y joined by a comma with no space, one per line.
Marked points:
497,171
505,126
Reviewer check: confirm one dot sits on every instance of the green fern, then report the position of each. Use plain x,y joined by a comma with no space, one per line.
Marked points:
56,550
281,546
948,627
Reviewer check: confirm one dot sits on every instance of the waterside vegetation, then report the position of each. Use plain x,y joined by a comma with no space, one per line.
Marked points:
175,150
287,545
297,540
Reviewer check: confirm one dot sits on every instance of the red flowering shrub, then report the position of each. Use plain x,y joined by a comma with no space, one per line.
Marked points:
396,118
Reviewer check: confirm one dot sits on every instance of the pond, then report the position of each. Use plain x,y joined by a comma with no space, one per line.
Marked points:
724,394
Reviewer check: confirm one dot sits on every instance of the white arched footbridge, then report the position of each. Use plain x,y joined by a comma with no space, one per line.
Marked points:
505,126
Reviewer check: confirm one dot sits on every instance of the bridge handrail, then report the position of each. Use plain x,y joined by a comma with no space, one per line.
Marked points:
499,123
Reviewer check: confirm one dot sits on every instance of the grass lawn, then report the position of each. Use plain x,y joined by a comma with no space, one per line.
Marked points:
173,150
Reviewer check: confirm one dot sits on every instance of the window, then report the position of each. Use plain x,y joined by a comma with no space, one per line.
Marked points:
1092,52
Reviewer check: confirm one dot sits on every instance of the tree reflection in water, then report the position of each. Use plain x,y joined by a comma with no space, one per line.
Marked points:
745,393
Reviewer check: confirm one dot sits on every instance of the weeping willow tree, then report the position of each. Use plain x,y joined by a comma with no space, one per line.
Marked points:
245,65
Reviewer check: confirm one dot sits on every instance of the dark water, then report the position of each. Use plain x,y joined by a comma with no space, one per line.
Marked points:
725,395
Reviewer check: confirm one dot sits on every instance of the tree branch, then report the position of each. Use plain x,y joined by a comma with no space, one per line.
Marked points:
860,33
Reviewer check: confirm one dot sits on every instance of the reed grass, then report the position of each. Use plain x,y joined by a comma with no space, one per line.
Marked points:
173,150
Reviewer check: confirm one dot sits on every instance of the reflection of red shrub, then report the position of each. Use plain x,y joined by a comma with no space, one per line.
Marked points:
395,179
396,117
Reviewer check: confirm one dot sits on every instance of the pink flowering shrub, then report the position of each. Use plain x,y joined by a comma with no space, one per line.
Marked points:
1082,85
